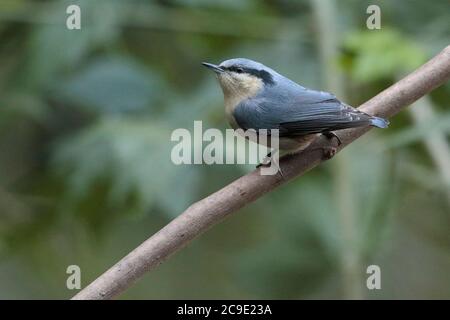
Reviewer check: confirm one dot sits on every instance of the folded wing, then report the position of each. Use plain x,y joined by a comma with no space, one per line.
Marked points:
300,114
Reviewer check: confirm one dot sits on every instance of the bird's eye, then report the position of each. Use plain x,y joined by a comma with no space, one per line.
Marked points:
239,70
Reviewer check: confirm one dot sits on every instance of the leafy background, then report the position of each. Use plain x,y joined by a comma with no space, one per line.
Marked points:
85,170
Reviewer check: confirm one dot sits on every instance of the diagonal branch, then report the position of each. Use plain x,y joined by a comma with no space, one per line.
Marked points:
214,208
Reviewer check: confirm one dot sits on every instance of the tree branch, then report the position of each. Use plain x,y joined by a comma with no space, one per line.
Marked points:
214,208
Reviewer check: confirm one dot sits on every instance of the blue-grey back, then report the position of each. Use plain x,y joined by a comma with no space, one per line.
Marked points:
296,110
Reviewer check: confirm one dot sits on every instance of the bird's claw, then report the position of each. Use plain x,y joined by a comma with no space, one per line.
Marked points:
329,152
266,161
262,164
330,135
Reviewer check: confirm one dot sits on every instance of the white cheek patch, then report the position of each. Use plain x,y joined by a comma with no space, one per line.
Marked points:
249,84
237,87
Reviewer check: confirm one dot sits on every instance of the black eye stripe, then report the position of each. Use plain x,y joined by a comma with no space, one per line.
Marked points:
265,76
235,69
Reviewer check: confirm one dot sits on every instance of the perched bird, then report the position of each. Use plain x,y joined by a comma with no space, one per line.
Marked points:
257,97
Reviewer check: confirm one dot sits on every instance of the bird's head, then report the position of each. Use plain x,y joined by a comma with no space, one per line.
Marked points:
242,77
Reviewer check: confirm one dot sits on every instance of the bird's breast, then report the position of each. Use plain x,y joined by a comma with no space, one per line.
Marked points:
230,105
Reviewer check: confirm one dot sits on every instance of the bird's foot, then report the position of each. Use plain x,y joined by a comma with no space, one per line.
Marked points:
266,161
329,152
330,135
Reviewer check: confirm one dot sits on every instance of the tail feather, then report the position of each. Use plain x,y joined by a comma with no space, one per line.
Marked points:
379,122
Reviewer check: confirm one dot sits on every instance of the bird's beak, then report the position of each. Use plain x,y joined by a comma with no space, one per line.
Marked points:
213,67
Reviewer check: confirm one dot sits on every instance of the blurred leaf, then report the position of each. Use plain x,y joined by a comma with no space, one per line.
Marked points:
418,132
282,270
113,85
220,4
370,178
53,49
21,105
378,55
134,155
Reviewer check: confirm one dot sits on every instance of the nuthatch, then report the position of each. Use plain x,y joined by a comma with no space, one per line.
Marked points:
257,97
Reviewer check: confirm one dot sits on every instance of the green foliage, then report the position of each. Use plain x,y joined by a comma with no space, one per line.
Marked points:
113,86
129,155
379,55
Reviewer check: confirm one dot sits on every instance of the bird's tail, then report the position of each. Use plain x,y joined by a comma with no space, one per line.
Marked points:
379,122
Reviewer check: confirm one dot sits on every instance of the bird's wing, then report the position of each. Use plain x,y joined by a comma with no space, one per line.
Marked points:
305,113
